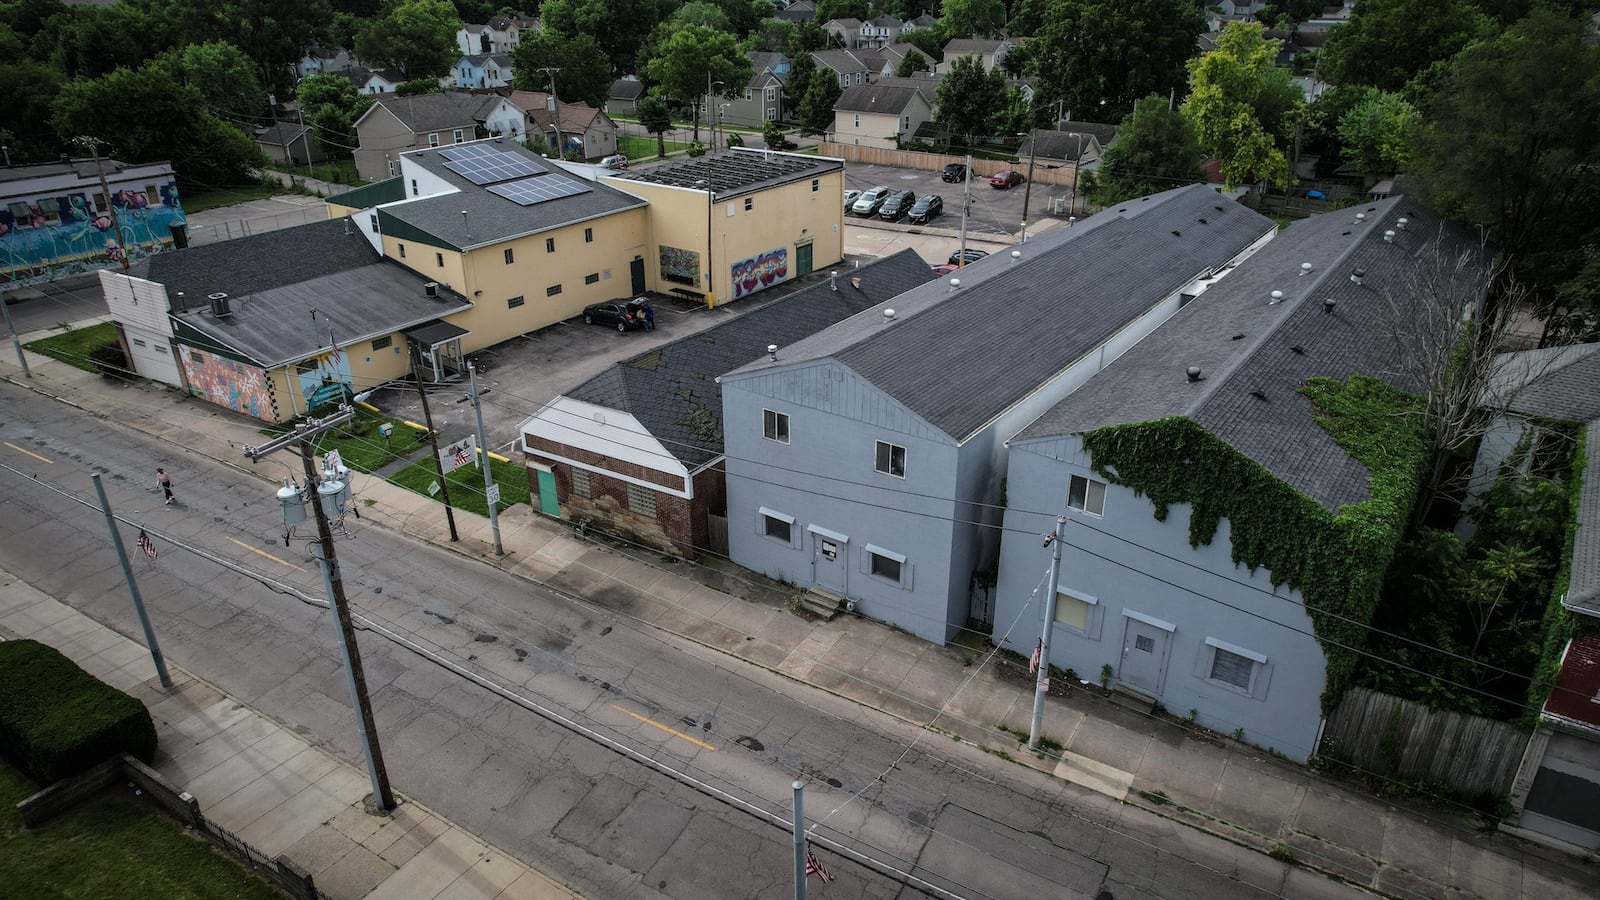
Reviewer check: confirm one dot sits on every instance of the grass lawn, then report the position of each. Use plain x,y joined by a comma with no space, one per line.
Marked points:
635,147
466,484
204,200
112,846
73,346
359,444
333,171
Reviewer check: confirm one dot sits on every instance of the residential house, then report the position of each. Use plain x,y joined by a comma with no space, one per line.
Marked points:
1184,593
319,60
638,448
852,66
883,113
482,71
393,125
1530,390
880,442
623,99
798,11
843,33
763,99
583,129
290,143
894,54
495,37
382,81
769,217
991,52
1078,144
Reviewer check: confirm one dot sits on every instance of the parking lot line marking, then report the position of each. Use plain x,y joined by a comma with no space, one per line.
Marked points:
266,554
672,731
29,452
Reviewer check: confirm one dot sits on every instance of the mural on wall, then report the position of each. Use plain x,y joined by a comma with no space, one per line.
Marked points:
327,380
753,274
53,237
680,266
238,386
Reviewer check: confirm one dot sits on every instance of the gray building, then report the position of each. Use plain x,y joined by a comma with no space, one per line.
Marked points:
1182,609
866,461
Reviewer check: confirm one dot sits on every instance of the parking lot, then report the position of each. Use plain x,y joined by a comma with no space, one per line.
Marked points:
993,211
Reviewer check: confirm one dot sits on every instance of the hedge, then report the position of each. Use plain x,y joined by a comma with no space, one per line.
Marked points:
56,720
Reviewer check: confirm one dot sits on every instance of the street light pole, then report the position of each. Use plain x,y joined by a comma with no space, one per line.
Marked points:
491,491
1027,186
1077,164
1042,678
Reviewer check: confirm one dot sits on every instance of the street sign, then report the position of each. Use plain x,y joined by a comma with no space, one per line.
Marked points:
433,488
494,494
458,454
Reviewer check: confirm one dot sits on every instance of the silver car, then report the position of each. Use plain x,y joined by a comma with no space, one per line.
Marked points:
850,198
870,202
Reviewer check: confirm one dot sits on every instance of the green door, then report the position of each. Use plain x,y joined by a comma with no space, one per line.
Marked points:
802,260
548,503
636,269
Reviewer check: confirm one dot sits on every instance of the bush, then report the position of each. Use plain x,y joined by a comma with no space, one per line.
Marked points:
56,720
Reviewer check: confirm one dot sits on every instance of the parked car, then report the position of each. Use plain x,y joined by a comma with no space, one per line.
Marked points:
870,202
955,173
850,198
625,315
946,269
1005,179
926,207
615,161
783,144
897,205
973,255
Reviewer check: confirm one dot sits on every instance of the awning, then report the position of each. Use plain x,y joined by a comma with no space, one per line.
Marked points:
434,333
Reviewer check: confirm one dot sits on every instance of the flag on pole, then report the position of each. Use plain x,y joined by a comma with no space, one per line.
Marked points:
147,545
333,354
1033,661
815,867
463,455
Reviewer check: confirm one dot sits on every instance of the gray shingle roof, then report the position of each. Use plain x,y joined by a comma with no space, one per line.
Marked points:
491,218
436,112
1583,587
1565,382
663,386
879,97
960,357
1065,144
734,172
1246,345
626,89
842,61
260,262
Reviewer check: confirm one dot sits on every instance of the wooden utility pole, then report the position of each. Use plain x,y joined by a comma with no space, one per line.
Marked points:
93,143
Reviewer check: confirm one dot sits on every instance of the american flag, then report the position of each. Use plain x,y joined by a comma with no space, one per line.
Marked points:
333,354
147,545
463,455
815,867
1033,661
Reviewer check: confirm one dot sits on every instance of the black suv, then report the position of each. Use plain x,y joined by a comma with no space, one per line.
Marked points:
955,173
897,206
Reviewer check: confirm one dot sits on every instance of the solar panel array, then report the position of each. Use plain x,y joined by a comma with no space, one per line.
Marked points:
529,191
485,165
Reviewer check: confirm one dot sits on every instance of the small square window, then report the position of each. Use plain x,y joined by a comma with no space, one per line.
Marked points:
1231,668
511,256
413,187
778,529
1087,495
383,343
580,483
588,235
592,278
749,203
1072,612
642,500
515,302
884,566
1144,643
552,290
891,459
374,222
439,258
747,95
549,245
775,426
816,185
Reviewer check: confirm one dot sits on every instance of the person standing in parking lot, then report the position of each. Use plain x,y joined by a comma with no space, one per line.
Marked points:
649,316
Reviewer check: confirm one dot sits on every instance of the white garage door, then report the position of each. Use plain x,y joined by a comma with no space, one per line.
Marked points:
152,357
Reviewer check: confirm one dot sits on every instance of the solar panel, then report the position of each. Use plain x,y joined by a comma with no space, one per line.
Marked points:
486,165
529,191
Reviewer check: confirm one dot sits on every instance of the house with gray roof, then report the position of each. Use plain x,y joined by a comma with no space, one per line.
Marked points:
866,462
638,448
1073,143
393,125
1182,590
990,52
882,113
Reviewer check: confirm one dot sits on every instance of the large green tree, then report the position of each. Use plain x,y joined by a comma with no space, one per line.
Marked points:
273,33
1113,52
91,41
816,103
331,105
656,119
1376,133
225,77
695,57
1156,149
1389,42
415,37
585,74
973,18
1237,100
618,26
25,103
971,99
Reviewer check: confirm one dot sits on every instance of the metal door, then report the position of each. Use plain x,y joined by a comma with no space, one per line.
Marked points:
802,260
636,273
829,559
1144,656
549,503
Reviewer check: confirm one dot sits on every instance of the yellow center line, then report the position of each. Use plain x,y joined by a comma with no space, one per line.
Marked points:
672,731
29,452
266,554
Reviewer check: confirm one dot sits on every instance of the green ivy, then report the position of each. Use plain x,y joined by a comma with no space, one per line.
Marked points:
1336,560
1560,624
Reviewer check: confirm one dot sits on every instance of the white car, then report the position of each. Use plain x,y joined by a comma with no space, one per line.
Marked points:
850,198
870,202
615,162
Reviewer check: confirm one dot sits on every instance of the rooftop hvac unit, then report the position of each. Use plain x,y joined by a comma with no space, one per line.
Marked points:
219,305
432,290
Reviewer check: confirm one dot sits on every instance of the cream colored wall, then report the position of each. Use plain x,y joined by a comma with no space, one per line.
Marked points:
369,368
677,219
384,137
780,218
876,130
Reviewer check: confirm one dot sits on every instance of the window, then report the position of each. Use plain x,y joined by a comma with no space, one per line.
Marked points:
552,290
139,343
588,235
816,185
642,500
511,256
891,459
748,96
439,258
776,525
888,565
413,187
749,203
1237,668
1087,495
580,483
592,278
858,120
775,426
884,567
374,223
772,94
383,343
394,167
772,114
1231,668
515,302
549,245
457,136
433,140
402,250
1072,611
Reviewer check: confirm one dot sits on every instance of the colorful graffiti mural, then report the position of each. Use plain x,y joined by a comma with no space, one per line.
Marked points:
238,386
680,266
53,237
753,274
328,381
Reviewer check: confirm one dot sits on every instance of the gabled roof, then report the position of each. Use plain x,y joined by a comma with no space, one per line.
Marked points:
626,89
972,45
479,60
960,357
1255,354
256,263
1065,144
1565,382
576,116
845,62
886,96
434,112
850,24
281,134
670,389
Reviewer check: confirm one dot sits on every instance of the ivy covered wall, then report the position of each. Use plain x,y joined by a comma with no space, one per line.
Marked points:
1336,560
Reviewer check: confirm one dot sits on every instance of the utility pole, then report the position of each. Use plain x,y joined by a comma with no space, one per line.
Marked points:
799,840
305,137
1042,683
1027,185
93,143
133,586
1077,164
433,440
555,116
333,580
491,491
966,204
16,339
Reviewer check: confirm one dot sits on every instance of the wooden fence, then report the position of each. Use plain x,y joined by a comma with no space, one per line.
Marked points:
1472,755
1053,173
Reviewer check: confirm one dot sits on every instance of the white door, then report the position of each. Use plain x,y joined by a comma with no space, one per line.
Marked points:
829,562
152,357
1144,656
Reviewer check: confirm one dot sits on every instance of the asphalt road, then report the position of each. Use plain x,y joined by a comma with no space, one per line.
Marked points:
656,769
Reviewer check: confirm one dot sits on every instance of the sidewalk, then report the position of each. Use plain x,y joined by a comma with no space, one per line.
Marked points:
1196,779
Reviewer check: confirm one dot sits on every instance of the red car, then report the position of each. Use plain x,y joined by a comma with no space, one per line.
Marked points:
1005,179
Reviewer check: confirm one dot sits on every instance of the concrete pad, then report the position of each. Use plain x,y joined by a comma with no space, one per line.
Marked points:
1343,819
535,886
1484,872
212,720
68,629
1098,738
230,775
286,824
272,789
491,873
1257,799
355,874
1094,775
438,864
320,849
91,642
31,619
356,823
408,831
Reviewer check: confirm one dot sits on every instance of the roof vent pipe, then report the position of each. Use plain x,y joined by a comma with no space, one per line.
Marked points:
833,281
955,283
1305,269
1016,255
1328,304
772,352
1402,223
1360,217
466,225
888,316
1389,236
1357,275
1193,373
1277,297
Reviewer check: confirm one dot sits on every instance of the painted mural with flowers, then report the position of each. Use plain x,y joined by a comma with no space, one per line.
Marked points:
238,386
49,237
760,271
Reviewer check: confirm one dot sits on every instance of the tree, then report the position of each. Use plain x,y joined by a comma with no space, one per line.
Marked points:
655,118
816,104
331,105
1027,17
585,74
910,64
972,18
1232,89
91,41
225,77
828,10
273,33
1376,133
745,16
1156,149
970,99
618,26
415,37
1115,51
696,56
929,40
416,87
1387,42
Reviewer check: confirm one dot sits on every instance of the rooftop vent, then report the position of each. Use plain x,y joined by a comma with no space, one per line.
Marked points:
833,281
1360,217
1389,235
888,316
772,352
1328,304
1357,275
219,305
955,283
1193,373
1259,394
1402,223
1297,350
1305,269
431,289
1016,255
1277,297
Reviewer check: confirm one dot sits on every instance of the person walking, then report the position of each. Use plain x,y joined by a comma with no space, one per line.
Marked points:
165,480
649,316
